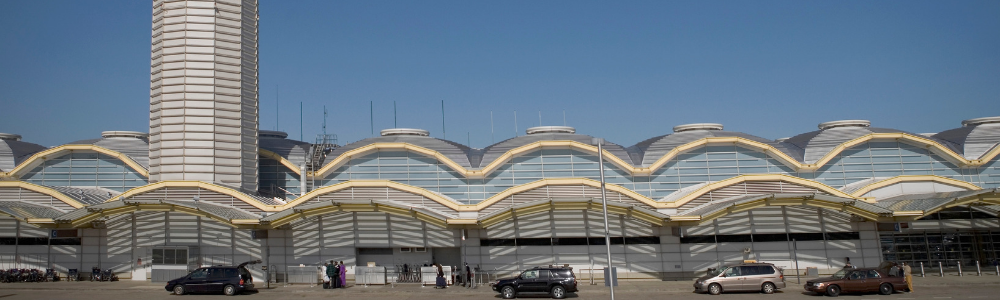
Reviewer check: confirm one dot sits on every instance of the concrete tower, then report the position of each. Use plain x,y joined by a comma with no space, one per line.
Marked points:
203,92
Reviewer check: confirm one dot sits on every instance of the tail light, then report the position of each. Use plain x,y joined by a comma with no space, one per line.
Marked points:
782,276
241,281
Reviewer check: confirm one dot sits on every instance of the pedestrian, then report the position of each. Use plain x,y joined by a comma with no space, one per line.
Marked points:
343,275
468,276
326,277
331,271
440,282
909,277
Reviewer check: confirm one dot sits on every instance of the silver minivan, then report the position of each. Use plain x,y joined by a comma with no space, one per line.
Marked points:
763,277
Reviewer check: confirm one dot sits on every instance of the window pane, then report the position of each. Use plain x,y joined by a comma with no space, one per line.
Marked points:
168,257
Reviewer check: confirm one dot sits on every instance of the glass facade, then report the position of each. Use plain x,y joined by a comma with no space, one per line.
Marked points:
702,165
83,169
947,246
276,180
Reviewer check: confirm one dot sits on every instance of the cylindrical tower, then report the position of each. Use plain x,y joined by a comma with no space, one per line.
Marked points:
203,92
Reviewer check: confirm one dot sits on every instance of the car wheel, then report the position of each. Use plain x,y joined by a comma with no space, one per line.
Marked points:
179,290
507,292
558,292
229,290
885,289
833,291
767,288
714,289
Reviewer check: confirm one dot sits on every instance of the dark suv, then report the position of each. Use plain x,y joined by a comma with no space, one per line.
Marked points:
555,281
229,280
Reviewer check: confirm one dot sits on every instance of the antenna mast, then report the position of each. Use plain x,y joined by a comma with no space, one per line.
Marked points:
443,132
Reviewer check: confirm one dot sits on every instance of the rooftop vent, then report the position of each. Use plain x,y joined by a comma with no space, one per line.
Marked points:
980,121
404,131
845,123
272,134
698,126
550,129
10,137
124,134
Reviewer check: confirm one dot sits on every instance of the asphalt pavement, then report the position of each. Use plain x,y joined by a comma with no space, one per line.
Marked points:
949,287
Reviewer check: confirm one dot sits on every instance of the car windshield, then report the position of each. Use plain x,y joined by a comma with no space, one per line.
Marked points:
716,272
840,274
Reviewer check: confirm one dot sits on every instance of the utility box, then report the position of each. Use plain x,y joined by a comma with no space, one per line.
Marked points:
611,278
812,272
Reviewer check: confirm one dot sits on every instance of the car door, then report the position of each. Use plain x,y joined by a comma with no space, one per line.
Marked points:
855,282
873,280
733,280
752,276
197,280
528,282
216,280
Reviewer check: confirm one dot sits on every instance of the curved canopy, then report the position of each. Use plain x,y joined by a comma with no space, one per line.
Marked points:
713,210
85,216
326,207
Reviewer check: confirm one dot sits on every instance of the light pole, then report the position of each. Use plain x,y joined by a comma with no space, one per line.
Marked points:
604,204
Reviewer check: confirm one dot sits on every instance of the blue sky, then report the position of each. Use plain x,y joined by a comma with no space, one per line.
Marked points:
623,70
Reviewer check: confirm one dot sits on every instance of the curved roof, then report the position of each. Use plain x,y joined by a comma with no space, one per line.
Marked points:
932,202
135,148
24,210
652,149
973,141
817,144
12,153
491,153
461,154
292,150
87,196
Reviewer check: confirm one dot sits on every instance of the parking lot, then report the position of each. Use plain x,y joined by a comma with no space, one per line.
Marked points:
929,288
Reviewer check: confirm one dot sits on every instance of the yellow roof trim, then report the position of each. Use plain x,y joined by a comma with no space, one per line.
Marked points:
53,152
463,221
44,190
245,221
281,159
914,178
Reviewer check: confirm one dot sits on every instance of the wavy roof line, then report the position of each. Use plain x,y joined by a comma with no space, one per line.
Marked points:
770,150
289,212
494,199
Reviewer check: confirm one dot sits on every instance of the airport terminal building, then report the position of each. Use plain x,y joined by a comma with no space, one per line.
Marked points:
206,186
